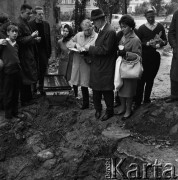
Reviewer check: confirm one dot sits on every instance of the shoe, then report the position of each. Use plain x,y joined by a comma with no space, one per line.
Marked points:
120,113
106,116
20,116
84,107
135,106
97,114
125,118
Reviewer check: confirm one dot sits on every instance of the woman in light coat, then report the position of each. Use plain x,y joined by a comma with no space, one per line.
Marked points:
81,68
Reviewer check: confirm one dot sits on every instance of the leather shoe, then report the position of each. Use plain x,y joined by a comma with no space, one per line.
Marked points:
106,116
97,114
125,118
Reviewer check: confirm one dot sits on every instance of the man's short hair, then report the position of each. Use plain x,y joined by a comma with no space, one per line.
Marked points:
12,27
25,6
37,8
4,18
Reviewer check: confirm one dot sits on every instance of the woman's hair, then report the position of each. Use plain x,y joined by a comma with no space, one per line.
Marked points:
127,20
65,39
86,23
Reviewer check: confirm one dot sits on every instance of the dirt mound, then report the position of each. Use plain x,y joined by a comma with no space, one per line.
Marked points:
155,119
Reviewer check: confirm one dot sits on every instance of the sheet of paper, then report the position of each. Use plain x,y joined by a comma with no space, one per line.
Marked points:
74,49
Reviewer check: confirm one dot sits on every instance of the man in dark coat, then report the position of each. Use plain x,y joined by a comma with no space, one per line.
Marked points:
28,58
103,64
43,45
173,40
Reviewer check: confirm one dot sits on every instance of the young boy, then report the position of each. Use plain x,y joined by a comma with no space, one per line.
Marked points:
11,70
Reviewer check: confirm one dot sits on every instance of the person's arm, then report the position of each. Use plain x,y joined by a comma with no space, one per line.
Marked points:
163,37
26,39
172,31
107,47
135,51
49,41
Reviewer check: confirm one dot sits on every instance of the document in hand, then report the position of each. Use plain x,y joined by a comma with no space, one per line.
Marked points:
74,49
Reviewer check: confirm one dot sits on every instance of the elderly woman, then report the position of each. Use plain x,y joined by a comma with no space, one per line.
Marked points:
81,68
132,50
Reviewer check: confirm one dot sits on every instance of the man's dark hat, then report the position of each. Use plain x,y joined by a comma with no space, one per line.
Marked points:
97,14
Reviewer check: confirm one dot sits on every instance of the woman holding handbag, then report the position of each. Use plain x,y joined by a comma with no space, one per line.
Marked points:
129,48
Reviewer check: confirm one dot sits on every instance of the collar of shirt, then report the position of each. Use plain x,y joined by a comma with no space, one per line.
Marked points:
102,27
10,42
151,26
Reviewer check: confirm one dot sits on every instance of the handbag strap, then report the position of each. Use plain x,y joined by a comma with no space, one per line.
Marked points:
139,59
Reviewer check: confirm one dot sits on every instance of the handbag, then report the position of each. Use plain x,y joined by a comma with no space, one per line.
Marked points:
131,69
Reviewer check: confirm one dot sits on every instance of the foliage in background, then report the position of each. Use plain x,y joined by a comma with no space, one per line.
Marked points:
171,7
79,13
141,8
112,6
157,4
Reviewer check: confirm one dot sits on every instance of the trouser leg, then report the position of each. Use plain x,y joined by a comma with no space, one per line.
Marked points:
75,90
109,100
85,94
150,76
25,93
97,96
16,92
8,95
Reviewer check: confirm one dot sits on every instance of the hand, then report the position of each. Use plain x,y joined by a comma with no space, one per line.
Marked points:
38,39
85,53
152,42
34,34
3,42
87,47
122,52
81,49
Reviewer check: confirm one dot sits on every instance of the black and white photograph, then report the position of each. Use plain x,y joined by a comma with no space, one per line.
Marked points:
88,89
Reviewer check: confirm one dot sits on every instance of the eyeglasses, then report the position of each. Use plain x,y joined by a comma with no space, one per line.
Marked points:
65,31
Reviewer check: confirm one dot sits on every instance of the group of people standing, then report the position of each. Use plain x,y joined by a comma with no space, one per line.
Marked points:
25,48
94,62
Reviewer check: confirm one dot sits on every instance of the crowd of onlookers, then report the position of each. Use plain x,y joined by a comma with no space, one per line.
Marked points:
94,62
87,60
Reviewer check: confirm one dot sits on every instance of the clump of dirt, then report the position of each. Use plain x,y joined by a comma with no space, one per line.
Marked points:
155,120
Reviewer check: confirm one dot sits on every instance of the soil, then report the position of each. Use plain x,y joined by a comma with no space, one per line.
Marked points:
65,143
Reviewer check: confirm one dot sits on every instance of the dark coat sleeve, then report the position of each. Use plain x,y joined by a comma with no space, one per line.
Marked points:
172,31
141,35
24,36
49,41
107,47
163,36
